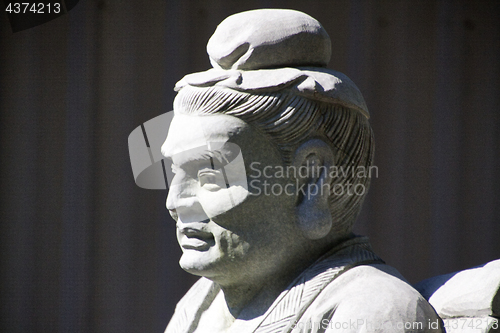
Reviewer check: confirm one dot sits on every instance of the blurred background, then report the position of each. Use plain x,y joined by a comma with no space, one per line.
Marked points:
83,249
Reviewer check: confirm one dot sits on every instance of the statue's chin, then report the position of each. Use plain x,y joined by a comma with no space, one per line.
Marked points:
201,263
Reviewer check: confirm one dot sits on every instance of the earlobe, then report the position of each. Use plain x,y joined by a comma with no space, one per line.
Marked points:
314,221
314,218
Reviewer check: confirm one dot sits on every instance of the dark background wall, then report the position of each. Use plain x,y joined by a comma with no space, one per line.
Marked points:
85,250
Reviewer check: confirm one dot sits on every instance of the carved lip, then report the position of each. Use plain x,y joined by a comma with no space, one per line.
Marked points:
192,237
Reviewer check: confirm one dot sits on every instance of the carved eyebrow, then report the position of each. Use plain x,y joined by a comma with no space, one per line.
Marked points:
216,158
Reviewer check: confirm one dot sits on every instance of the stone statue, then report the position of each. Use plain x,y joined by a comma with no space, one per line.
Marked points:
268,159
466,301
272,156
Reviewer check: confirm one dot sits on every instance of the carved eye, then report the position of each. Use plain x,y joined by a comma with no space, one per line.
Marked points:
208,179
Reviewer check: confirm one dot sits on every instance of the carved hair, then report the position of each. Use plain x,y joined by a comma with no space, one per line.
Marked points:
288,120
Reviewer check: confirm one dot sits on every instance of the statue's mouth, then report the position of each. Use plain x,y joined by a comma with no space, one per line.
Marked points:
193,237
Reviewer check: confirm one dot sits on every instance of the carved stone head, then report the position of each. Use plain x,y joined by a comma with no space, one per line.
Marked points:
271,150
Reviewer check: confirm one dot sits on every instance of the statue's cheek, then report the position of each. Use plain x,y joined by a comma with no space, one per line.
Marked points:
219,201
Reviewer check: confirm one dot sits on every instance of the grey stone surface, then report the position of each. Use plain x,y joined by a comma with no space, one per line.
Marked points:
467,301
269,38
320,84
284,260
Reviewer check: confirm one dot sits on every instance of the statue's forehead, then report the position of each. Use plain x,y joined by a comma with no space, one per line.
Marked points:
187,132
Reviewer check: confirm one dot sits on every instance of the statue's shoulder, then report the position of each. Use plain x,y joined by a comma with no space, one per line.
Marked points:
200,290
199,296
372,296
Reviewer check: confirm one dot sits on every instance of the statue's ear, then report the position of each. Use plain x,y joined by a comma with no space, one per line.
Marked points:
312,162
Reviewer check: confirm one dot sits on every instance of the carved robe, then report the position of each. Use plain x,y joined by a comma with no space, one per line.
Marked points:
349,289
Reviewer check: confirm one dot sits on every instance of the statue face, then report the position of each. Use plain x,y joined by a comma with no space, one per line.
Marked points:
225,230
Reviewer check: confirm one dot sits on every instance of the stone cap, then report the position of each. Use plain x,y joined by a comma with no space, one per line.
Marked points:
270,50
321,84
269,38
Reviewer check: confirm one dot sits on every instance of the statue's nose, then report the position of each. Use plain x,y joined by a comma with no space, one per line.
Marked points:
184,207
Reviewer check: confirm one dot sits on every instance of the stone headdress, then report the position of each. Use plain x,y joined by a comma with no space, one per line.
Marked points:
270,50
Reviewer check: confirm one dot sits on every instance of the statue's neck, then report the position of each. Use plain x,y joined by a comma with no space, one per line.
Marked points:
250,299
247,299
